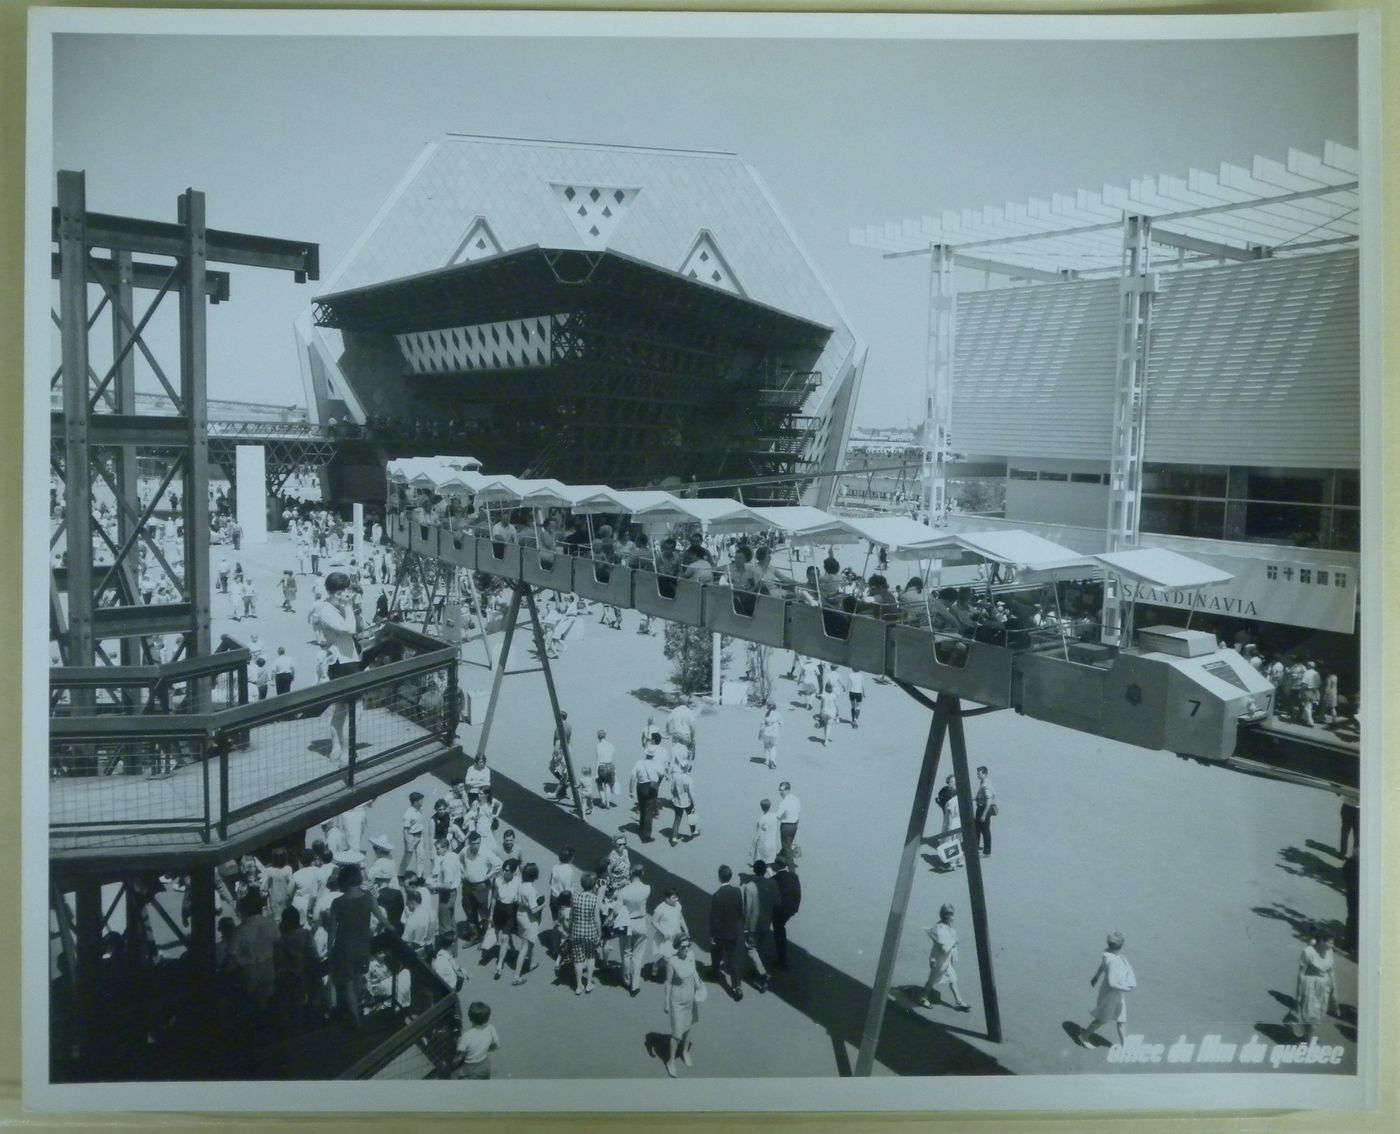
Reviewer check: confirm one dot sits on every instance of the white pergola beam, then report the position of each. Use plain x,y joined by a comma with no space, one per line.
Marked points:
1015,271
1205,247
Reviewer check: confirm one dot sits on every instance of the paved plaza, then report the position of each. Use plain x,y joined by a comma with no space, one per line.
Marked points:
1210,875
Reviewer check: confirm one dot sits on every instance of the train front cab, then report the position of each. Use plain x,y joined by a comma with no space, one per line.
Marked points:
1174,690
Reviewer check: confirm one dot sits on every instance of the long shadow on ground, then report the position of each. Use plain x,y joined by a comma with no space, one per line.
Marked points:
1305,864
830,998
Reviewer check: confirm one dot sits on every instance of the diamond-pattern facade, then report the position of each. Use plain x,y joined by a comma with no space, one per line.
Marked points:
512,345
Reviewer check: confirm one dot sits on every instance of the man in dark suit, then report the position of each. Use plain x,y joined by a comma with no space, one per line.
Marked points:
645,786
727,933
789,901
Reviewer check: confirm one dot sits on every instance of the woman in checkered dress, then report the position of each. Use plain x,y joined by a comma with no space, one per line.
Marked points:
585,934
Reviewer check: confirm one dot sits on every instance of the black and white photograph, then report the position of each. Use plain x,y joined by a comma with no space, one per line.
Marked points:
701,562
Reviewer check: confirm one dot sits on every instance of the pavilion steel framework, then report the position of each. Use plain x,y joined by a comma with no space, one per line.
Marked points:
1306,204
650,375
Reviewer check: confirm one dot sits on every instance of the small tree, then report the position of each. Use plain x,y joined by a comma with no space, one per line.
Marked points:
980,494
688,648
760,673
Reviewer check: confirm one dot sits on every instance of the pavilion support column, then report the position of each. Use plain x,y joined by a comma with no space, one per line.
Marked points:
1137,289
194,395
938,383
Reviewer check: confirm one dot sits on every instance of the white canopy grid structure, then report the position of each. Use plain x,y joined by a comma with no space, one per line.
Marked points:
1304,204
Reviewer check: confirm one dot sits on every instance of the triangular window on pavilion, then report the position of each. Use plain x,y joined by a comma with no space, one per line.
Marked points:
595,211
477,244
705,262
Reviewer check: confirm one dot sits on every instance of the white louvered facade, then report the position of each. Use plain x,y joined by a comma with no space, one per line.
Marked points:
1250,364
1034,370
1258,364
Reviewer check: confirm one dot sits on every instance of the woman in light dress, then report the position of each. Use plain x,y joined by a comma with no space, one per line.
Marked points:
826,712
684,994
768,733
807,682
1118,980
1316,992
767,837
667,921
529,913
940,960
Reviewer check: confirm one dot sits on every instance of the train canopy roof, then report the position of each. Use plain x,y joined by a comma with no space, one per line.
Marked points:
902,537
1019,549
1162,568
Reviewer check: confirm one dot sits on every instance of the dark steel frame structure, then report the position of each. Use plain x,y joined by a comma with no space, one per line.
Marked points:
98,432
650,374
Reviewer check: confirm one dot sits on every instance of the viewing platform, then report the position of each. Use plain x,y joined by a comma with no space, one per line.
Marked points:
144,789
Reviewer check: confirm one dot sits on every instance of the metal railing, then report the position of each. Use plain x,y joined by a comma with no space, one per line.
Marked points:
196,774
165,688
426,1045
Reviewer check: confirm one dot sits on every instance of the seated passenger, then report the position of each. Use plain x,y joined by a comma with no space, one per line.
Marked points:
640,556
770,580
879,595
502,533
604,553
830,583
912,607
697,550
699,565
668,566
547,540
743,580
942,617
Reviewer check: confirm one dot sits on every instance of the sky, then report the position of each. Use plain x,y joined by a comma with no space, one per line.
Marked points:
304,138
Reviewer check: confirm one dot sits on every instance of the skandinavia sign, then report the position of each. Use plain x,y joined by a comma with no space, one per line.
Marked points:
1320,598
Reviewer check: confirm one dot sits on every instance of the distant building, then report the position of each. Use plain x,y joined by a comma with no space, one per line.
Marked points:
892,486
599,313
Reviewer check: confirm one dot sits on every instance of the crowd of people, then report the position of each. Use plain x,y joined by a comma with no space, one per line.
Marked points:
1305,693
297,948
